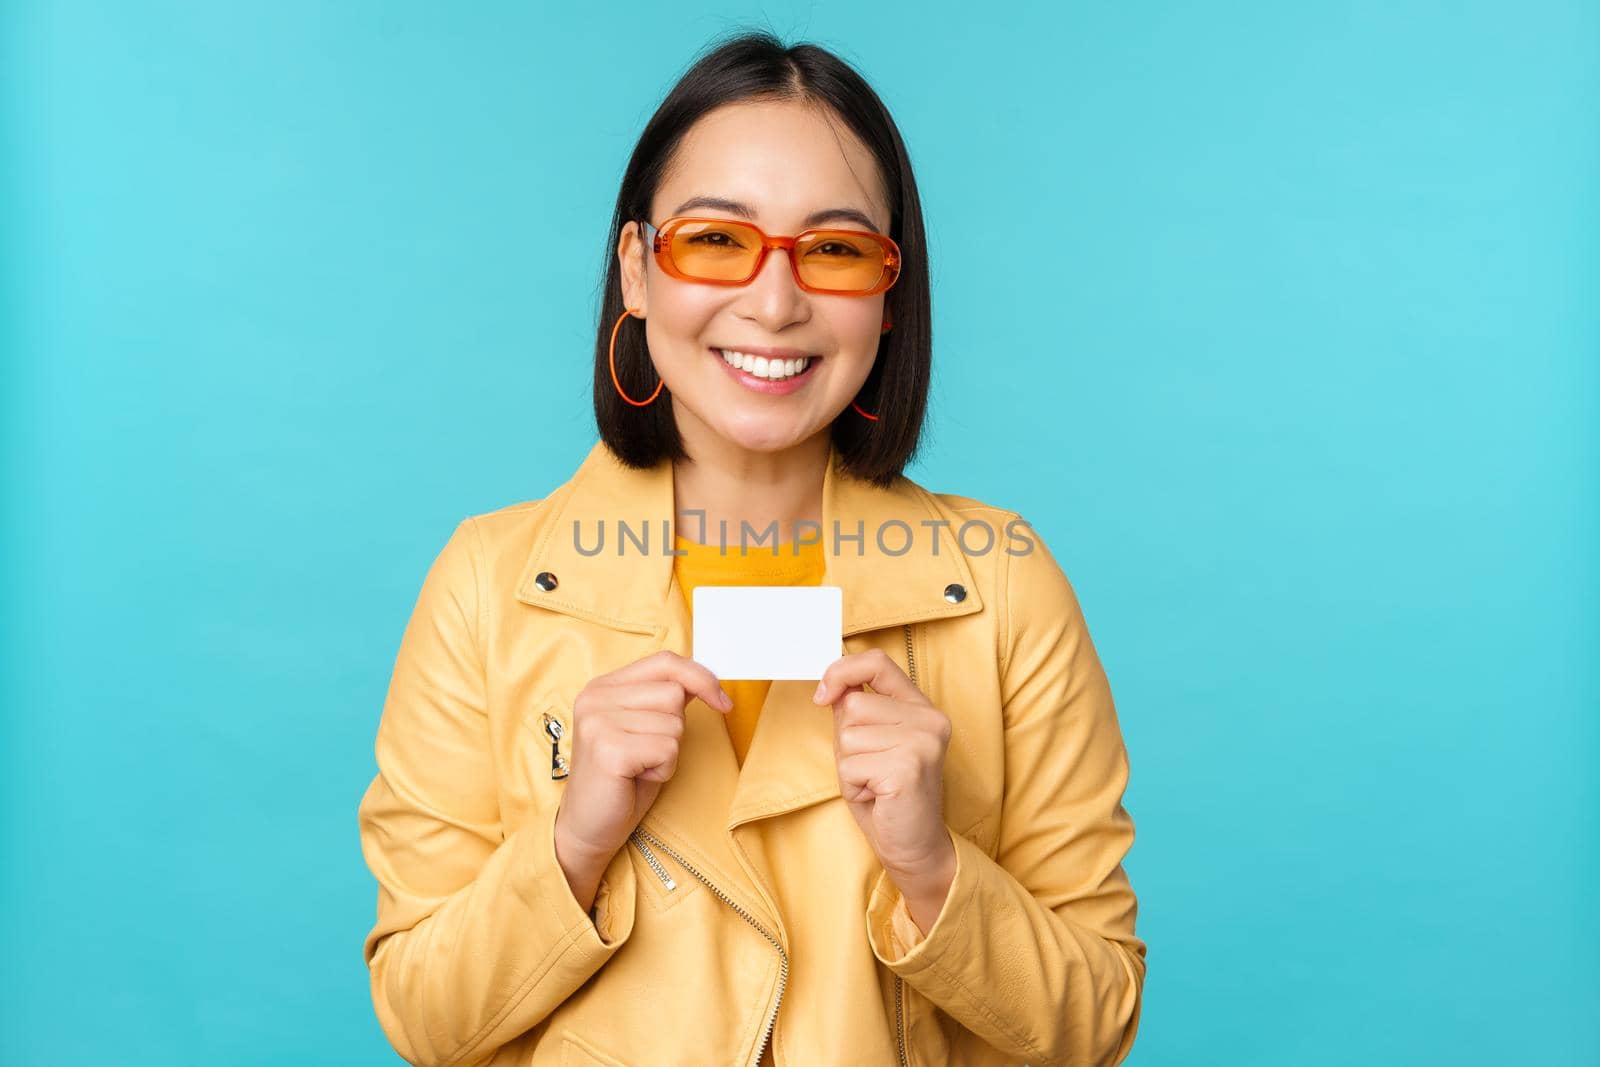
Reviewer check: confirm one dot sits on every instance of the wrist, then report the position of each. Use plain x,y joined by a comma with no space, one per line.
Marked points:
583,866
935,870
926,889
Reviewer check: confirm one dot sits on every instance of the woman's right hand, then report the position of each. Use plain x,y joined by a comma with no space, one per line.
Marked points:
626,726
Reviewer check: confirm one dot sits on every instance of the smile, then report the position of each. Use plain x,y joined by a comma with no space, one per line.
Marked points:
763,374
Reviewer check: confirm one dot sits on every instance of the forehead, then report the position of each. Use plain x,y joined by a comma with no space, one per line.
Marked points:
784,159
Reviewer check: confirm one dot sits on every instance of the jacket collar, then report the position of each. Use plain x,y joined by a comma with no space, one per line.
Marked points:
628,590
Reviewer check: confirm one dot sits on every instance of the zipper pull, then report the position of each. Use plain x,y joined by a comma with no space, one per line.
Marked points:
554,731
655,864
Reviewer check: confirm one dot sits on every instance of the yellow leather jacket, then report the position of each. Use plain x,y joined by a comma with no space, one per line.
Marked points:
747,909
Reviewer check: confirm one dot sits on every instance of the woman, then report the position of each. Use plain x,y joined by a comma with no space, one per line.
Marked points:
591,850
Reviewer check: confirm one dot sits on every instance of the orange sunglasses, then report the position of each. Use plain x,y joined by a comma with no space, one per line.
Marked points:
726,252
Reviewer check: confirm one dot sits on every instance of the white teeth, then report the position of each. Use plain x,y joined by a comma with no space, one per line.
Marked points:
772,369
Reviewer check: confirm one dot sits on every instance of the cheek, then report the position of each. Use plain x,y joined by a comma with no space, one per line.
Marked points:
856,322
680,315
856,326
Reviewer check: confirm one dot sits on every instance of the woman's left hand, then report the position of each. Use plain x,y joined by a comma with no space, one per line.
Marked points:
890,745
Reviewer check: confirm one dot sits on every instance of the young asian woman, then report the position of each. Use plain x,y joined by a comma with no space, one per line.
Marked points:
591,849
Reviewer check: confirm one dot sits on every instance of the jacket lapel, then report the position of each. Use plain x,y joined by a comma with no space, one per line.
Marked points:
633,589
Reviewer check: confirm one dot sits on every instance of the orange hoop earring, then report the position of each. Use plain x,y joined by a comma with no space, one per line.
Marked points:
874,418
612,358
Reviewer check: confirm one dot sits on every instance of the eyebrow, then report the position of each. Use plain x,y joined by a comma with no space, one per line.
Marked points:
733,207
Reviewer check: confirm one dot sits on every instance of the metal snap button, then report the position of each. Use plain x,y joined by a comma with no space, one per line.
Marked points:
545,580
955,593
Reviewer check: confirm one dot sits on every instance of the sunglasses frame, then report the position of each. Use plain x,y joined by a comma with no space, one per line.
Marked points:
661,245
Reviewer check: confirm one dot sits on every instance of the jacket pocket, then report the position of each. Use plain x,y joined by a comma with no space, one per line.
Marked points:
533,767
664,882
577,1051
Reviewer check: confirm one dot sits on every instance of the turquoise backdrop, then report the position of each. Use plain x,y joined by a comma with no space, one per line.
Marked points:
1279,320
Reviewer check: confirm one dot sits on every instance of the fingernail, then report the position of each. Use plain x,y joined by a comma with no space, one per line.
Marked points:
822,687
727,701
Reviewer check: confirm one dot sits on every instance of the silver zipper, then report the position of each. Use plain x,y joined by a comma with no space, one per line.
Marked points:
638,837
553,729
899,983
655,865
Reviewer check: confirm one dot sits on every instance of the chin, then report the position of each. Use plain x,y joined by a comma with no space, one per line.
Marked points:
761,437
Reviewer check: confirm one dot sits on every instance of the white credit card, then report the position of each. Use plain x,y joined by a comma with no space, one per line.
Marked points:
768,632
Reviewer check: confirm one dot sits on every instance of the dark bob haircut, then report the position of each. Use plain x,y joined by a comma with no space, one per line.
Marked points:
756,65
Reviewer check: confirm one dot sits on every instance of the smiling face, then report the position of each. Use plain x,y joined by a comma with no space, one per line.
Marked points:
789,167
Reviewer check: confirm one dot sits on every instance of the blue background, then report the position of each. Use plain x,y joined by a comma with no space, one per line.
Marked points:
1279,321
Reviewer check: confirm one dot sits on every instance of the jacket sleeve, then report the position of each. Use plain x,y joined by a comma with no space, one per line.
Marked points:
478,935
1034,950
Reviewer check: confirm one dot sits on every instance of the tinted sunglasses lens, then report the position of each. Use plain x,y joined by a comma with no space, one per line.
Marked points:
715,251
840,260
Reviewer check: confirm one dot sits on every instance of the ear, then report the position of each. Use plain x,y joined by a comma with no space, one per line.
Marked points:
631,253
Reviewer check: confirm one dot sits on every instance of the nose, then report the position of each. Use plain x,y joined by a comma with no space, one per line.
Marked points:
772,298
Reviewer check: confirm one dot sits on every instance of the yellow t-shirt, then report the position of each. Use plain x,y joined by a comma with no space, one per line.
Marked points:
707,565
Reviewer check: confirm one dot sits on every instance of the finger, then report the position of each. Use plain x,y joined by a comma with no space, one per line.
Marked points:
664,696
868,776
695,678
670,724
872,667
619,703
858,707
851,740
653,758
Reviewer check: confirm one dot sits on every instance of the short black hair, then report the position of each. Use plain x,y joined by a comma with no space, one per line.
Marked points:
756,65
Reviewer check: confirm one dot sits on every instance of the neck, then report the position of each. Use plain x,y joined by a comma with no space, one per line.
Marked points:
734,485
